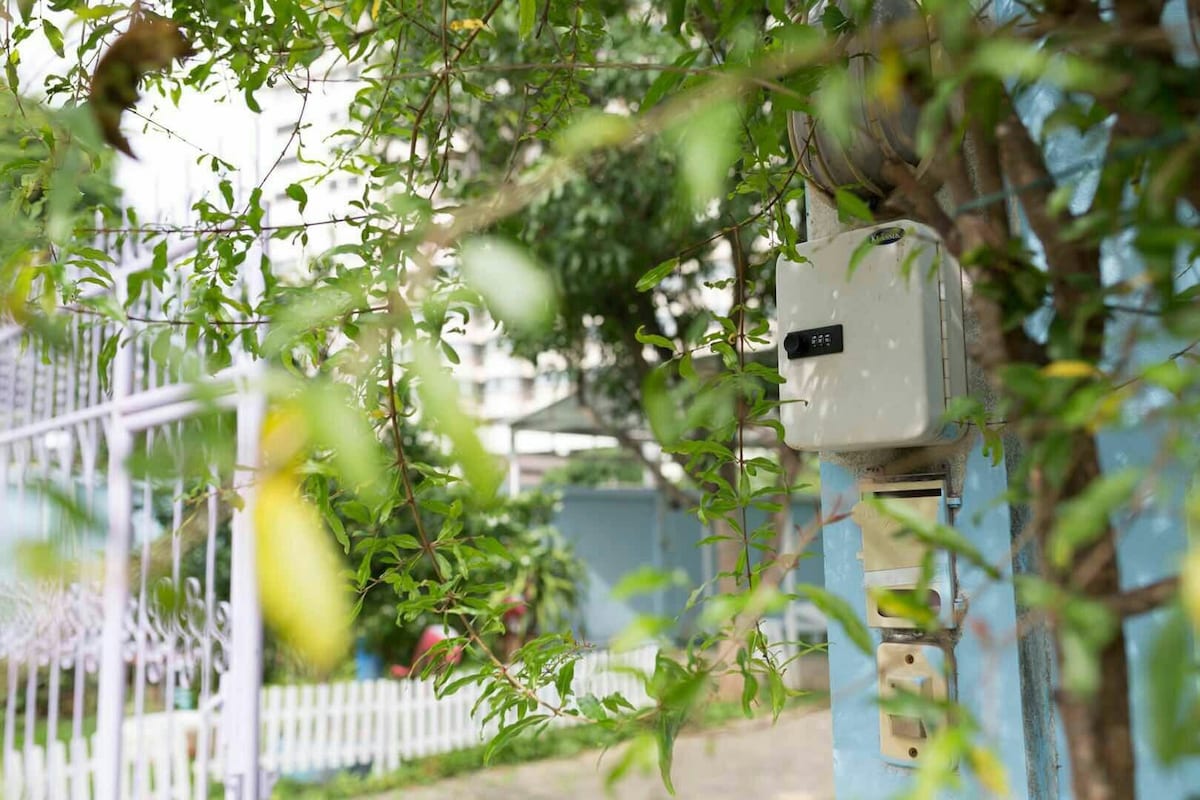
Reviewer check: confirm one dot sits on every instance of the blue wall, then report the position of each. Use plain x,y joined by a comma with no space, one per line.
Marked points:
618,530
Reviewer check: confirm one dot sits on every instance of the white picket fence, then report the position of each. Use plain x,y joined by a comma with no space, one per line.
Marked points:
307,730
163,756
382,724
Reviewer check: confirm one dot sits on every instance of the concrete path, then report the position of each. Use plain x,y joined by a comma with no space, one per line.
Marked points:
750,760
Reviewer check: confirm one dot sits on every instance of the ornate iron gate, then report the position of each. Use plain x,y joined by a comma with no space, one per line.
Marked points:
124,634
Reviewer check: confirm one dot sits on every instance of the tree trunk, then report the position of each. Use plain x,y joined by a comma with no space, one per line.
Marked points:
1098,728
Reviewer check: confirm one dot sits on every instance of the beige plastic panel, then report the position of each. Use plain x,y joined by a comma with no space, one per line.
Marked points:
882,548
913,668
884,551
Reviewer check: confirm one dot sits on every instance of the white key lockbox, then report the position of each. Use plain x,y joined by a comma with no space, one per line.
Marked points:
871,342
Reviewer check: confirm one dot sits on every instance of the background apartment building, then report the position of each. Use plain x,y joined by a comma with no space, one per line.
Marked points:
288,142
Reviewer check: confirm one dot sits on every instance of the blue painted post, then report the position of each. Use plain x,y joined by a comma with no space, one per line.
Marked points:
986,657
988,678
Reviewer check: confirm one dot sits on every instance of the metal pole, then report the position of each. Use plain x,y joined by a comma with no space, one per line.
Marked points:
241,704
514,464
240,713
111,700
788,545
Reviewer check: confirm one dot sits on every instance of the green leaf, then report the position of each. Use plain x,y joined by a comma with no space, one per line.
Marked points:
226,193
438,394
89,13
54,37
1080,664
564,679
591,708
656,276
659,407
297,193
851,208
653,339
687,370
833,104
707,143
905,604
321,497
860,252
647,580
616,703
676,12
337,423
841,612
1168,375
932,532
10,70
528,15
777,692
749,693
834,20
669,724
594,131
251,103
638,753
517,289
507,733
1084,518
1172,691
668,80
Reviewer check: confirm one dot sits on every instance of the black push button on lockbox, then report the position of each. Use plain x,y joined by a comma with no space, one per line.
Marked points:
813,342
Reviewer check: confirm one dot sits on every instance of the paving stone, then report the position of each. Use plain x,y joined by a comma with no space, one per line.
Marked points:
749,760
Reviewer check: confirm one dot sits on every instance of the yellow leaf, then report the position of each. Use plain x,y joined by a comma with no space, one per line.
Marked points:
466,24
1189,586
16,296
888,80
303,597
988,770
1070,369
375,9
1108,410
284,437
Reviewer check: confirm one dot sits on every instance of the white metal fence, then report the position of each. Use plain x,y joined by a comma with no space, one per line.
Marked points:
99,487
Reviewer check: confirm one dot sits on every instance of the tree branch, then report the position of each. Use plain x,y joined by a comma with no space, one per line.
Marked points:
1138,13
1145,598
1074,268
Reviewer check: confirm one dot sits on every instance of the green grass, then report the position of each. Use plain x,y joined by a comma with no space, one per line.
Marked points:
551,743
40,737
